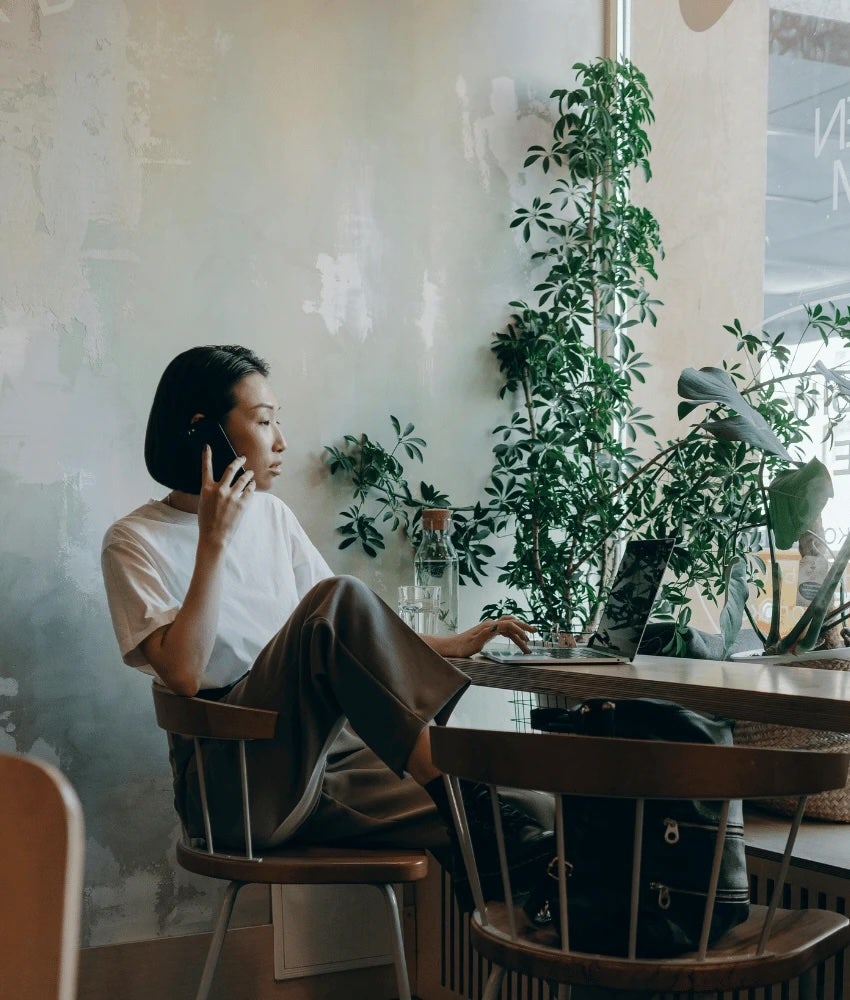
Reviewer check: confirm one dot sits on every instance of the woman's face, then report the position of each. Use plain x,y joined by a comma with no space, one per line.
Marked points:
253,428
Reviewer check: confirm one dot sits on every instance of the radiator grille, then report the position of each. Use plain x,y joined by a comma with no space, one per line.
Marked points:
464,973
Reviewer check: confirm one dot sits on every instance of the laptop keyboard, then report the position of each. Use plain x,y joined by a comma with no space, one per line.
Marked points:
575,653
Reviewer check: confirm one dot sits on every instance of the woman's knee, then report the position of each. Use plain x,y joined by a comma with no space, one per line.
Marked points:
342,584
342,591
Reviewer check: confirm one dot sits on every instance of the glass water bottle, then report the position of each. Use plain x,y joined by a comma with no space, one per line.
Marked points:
436,562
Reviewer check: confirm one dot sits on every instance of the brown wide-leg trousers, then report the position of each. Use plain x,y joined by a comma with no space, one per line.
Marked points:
353,687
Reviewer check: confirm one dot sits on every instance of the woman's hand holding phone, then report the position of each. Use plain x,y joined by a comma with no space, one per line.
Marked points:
222,502
207,431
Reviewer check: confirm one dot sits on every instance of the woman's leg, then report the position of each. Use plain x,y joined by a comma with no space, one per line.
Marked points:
342,654
364,804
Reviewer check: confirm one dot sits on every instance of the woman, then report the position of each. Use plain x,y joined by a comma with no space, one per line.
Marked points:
218,592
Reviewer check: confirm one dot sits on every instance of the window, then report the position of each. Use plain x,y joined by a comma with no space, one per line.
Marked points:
807,219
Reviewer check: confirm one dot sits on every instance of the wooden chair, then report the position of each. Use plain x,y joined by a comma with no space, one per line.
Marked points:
42,845
772,946
211,720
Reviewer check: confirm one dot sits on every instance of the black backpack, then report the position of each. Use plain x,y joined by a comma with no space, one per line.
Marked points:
678,844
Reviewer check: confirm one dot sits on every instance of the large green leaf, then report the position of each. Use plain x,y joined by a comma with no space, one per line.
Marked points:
796,498
806,631
713,385
732,615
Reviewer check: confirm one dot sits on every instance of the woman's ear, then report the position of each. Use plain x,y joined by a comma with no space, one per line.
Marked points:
196,418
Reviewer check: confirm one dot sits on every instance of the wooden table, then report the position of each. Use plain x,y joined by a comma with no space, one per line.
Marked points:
763,692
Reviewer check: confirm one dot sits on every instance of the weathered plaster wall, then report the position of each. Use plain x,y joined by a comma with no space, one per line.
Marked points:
327,182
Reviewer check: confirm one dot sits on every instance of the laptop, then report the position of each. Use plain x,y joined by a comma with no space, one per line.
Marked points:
624,618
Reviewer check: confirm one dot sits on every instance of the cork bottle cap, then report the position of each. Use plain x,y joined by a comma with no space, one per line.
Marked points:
436,519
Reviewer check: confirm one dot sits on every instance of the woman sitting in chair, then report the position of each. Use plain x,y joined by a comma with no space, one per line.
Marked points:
217,591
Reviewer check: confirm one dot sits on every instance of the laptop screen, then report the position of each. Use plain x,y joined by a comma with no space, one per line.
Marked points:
633,593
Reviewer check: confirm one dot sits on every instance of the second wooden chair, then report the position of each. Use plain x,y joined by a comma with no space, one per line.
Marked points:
774,945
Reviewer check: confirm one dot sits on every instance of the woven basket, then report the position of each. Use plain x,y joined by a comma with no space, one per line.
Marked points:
834,805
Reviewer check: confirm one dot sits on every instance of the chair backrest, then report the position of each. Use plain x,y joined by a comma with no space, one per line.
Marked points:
619,768
42,847
569,765
199,718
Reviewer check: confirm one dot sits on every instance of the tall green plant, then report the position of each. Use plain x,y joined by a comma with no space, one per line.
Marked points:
561,473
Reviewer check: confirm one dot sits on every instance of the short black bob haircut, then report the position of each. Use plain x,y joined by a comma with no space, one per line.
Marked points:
200,380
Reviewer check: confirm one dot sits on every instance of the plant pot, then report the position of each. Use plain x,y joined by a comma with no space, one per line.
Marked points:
834,805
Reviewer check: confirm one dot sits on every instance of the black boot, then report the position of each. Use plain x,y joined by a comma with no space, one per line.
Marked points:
529,847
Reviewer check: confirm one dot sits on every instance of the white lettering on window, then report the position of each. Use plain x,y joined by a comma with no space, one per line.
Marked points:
838,172
840,116
841,458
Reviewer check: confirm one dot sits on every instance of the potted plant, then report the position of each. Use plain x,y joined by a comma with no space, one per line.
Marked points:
576,464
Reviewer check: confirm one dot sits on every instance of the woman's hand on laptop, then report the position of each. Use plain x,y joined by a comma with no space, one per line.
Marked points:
473,640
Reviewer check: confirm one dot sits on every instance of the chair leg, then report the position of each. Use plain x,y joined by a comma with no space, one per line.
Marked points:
221,925
809,984
402,982
494,983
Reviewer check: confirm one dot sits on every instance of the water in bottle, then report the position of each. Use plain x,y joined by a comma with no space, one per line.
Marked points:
436,562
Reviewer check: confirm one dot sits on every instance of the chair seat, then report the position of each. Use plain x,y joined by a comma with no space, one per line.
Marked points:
800,939
309,865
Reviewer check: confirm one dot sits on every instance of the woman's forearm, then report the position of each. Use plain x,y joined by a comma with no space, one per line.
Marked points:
442,644
472,641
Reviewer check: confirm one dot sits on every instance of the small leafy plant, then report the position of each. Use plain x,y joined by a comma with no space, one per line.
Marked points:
377,472
384,500
577,466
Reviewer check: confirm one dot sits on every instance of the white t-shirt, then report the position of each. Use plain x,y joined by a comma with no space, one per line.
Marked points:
148,558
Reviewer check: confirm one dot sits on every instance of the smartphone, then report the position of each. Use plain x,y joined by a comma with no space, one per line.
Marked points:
205,431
